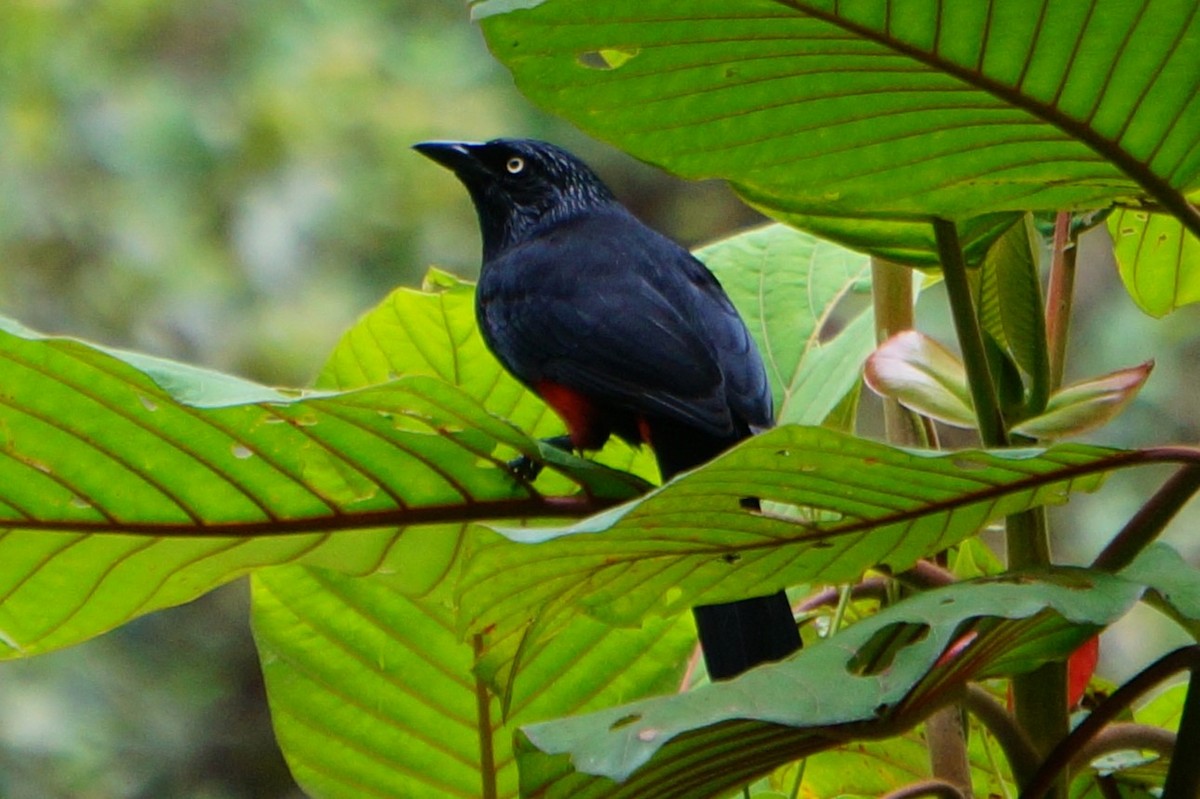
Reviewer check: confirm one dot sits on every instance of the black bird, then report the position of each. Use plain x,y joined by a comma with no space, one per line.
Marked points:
621,331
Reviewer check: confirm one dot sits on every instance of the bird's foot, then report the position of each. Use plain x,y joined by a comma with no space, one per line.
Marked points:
526,469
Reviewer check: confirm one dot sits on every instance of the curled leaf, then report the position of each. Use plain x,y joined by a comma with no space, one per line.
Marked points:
923,376
1087,404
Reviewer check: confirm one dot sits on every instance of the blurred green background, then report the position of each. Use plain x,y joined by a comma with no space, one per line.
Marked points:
230,184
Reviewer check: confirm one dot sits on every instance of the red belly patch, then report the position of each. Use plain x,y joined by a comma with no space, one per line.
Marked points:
579,413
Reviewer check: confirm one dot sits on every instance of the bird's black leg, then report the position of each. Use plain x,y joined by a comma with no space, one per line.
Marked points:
526,468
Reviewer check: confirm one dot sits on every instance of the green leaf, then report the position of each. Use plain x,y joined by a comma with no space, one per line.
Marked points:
1175,581
1158,260
130,483
723,734
787,285
372,693
1087,404
861,123
1164,710
923,376
833,506
1010,306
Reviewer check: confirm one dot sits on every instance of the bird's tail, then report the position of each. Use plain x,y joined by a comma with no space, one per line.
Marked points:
734,636
737,636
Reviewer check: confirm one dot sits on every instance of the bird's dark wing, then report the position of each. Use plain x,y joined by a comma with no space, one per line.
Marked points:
607,307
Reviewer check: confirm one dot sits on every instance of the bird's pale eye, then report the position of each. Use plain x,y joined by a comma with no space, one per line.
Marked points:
515,165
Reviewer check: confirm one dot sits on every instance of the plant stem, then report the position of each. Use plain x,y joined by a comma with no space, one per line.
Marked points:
1018,749
796,783
1027,540
970,337
892,297
1183,777
1124,737
1059,295
947,737
483,710
1040,697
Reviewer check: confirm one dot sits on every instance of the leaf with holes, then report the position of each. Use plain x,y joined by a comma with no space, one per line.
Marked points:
859,121
1158,260
889,669
1173,582
833,506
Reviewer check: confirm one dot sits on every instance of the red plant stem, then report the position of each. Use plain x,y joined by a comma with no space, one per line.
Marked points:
1059,295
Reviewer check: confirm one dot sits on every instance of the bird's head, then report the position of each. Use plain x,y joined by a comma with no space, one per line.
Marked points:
519,185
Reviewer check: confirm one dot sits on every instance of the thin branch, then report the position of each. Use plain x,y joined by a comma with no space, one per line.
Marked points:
1059,295
1183,777
1123,738
946,738
870,588
928,574
892,298
1150,520
970,337
1022,758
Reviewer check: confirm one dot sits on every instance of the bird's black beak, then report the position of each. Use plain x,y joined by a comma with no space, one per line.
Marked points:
456,156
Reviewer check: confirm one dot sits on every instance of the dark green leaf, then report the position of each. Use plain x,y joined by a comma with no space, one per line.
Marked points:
1010,307
721,735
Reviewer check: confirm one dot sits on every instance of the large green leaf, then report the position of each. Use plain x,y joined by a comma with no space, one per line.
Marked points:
833,506
372,692
890,671
129,483
861,120
370,683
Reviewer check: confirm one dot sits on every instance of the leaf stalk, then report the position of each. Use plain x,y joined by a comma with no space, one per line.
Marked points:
1060,295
